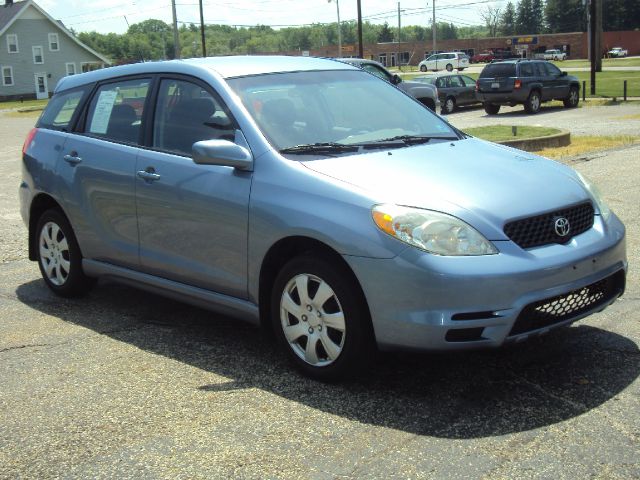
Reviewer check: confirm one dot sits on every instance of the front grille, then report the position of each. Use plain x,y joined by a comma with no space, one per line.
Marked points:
564,307
540,230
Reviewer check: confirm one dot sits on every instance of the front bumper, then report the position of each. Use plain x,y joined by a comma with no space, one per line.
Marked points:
419,301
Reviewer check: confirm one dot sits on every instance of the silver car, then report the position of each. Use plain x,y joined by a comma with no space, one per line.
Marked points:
311,197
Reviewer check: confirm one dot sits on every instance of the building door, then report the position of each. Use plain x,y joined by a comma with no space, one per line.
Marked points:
41,86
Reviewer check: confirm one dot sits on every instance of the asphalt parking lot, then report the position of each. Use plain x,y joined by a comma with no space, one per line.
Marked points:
125,384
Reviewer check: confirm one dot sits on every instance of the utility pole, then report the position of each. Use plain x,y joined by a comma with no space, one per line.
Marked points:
360,46
204,45
433,27
339,28
598,35
176,38
592,44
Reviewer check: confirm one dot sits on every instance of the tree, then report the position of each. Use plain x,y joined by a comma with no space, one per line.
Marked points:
491,16
508,20
386,34
537,16
524,20
565,16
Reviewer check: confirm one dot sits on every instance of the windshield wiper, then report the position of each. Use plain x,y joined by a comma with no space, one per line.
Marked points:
324,147
413,139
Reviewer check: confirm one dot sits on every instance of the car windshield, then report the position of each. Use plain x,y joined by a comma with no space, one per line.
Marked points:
333,109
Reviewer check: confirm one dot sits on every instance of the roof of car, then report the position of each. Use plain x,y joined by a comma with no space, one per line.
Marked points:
227,67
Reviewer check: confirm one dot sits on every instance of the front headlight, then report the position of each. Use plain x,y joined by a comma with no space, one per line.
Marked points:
604,209
431,231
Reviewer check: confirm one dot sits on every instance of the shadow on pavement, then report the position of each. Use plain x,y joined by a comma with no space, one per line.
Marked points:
462,395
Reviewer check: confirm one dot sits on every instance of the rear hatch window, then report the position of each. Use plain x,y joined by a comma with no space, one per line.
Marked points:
499,70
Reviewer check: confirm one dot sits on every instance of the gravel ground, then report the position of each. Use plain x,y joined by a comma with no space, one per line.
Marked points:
124,384
587,120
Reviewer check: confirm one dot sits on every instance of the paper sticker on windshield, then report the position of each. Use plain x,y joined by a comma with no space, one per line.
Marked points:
102,113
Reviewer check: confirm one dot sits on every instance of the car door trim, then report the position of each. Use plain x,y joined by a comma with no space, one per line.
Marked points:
199,297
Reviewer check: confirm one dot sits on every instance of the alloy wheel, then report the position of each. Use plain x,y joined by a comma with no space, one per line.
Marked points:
54,253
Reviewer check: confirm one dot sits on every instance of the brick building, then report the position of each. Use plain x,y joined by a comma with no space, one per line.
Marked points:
575,44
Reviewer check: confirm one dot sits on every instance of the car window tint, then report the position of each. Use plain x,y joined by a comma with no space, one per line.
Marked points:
468,81
441,83
116,109
454,81
495,70
61,108
526,70
552,69
539,69
187,113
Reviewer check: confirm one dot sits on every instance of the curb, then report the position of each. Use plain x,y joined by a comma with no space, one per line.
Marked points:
561,139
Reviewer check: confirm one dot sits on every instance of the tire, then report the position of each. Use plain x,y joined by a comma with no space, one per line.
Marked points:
532,105
449,67
59,256
448,106
491,108
573,99
423,68
339,349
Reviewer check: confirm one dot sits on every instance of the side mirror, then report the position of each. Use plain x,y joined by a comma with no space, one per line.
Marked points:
563,74
222,152
396,79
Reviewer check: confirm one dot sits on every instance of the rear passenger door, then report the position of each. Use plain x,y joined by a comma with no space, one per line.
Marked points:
193,219
98,171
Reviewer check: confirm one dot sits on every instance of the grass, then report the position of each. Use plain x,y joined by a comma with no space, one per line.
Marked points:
26,104
499,133
606,62
635,116
588,144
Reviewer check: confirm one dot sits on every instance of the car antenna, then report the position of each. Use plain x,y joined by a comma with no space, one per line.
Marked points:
139,51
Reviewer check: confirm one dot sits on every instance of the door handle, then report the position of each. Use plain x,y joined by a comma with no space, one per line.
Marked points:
148,175
72,159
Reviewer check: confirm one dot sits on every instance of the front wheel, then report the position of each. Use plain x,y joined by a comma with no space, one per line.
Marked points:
449,67
321,319
59,256
423,68
532,105
572,100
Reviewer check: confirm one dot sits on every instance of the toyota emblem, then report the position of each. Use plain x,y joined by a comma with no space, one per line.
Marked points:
562,226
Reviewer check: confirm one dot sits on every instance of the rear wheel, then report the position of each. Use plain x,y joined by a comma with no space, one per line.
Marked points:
449,105
532,105
321,319
423,68
59,256
491,108
449,67
572,100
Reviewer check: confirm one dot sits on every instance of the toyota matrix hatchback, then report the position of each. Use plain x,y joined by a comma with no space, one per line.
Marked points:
310,196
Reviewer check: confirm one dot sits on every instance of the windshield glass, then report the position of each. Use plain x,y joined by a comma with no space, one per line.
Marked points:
334,107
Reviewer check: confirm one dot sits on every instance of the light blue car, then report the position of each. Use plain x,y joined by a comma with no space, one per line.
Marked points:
312,197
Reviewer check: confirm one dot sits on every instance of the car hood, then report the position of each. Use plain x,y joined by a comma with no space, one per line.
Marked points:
482,183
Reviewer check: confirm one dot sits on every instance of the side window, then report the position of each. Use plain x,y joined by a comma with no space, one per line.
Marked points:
376,71
187,113
440,82
116,110
538,69
61,108
455,81
526,70
552,70
468,81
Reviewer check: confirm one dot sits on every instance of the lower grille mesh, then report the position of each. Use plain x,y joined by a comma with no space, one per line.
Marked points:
564,307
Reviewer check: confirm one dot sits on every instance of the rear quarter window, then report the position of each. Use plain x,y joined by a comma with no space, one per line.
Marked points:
496,70
62,108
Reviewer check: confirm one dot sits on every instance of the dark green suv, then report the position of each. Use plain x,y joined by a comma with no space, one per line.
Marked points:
528,82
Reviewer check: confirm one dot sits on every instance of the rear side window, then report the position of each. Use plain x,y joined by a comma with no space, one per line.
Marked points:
61,109
526,70
116,110
495,70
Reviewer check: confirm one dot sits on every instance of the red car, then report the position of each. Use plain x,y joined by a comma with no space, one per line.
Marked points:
484,57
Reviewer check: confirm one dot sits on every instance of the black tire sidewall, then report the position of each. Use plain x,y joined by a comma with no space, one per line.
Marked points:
449,67
453,106
491,108
423,68
528,106
359,347
77,282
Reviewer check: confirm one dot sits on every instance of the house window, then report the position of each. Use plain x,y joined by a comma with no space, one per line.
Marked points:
37,55
54,46
12,43
7,76
71,68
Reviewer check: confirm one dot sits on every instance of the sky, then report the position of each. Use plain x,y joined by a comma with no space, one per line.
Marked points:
106,16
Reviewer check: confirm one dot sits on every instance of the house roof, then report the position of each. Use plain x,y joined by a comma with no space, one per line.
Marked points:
11,13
